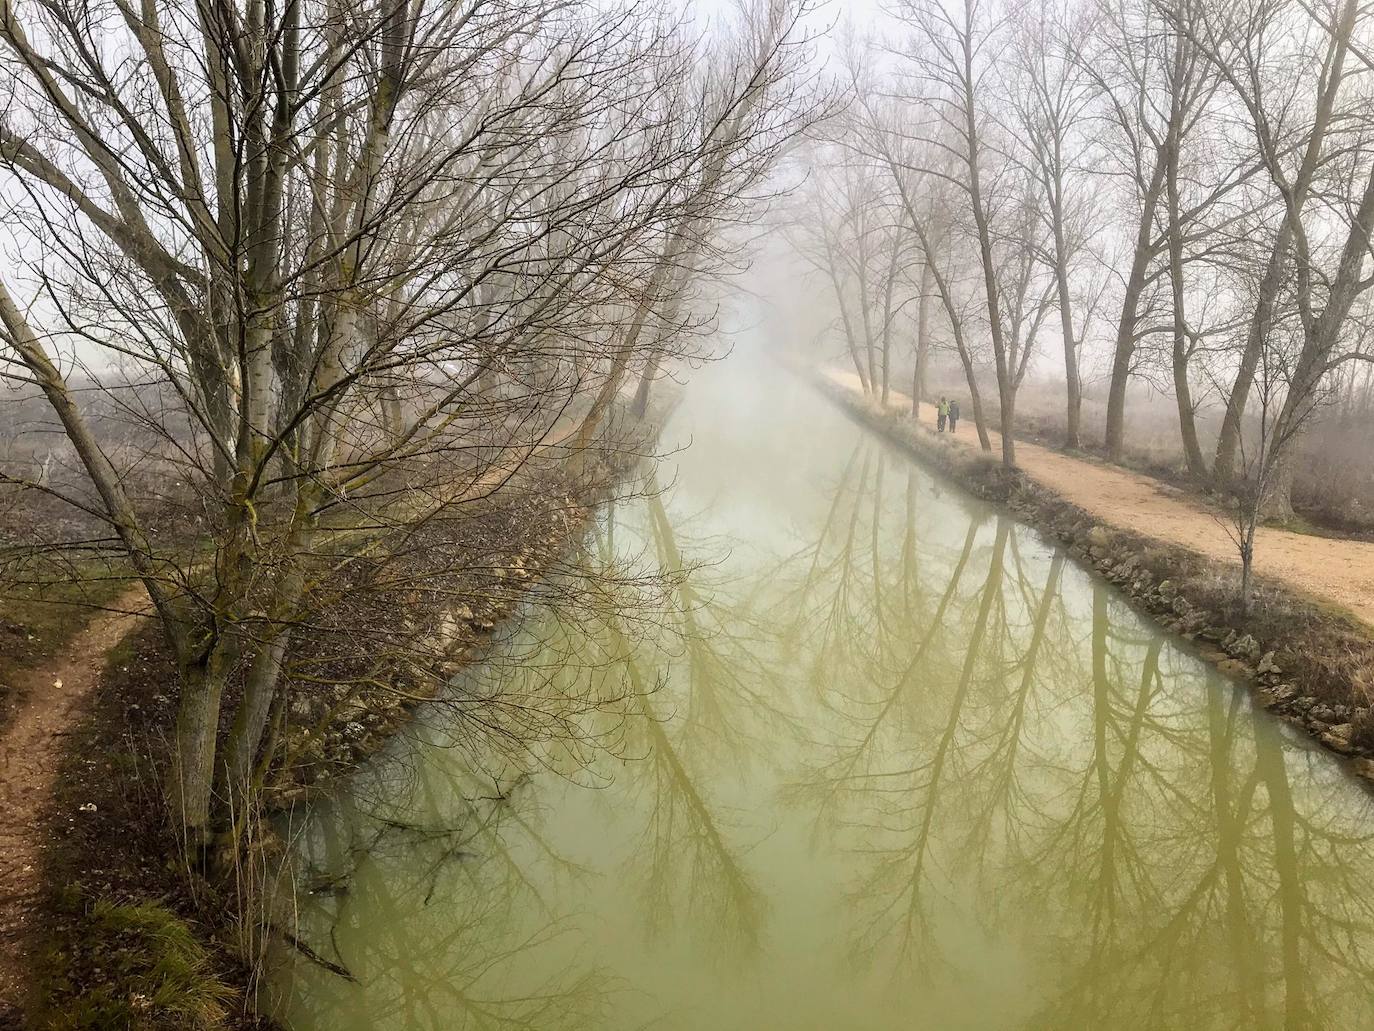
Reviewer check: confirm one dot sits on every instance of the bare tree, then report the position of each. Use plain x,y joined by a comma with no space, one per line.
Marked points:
951,54
741,112
834,210
923,189
1051,97
1264,448
346,266
1241,57
1158,89
1312,158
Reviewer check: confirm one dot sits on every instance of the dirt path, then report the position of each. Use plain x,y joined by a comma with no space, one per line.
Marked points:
1334,571
30,750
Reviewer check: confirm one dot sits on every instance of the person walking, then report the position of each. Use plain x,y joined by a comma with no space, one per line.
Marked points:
953,414
941,414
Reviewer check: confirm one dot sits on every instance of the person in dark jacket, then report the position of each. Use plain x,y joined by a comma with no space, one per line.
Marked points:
953,415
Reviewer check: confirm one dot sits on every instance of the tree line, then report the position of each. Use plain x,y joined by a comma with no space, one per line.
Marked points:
1181,189
322,271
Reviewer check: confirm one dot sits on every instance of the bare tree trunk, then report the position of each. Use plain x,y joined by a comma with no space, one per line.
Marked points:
1073,384
245,736
887,364
980,421
1130,315
870,347
1261,322
1278,502
263,678
1007,406
918,376
1247,563
1006,385
1187,425
1182,393
197,730
888,289
646,380
848,324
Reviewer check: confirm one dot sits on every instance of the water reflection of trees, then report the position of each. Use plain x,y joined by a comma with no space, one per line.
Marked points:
1166,856
430,906
689,860
671,691
995,742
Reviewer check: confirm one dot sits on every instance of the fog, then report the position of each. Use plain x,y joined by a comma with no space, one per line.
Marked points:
1134,230
335,334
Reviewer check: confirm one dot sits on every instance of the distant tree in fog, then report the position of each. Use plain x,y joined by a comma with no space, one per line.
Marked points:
1050,96
853,234
1196,169
923,187
951,54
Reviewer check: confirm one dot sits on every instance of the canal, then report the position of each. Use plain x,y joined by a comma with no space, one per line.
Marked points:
820,742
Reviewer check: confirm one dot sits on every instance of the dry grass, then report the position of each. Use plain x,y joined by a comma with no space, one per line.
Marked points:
156,973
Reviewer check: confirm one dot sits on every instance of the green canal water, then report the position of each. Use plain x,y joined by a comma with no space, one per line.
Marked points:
841,748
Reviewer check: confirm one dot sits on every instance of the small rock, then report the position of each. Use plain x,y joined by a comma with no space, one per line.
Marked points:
1167,588
1338,738
1283,692
1181,606
1267,664
1304,702
1245,647
1322,714
1363,768
1233,667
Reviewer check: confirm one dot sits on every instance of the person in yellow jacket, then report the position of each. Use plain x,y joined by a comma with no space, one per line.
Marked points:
941,414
